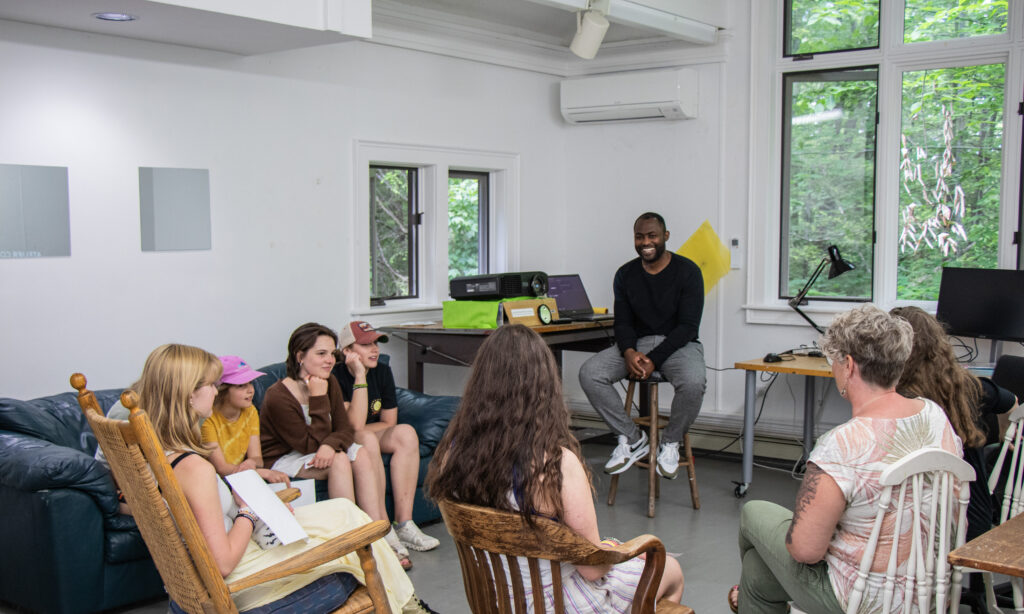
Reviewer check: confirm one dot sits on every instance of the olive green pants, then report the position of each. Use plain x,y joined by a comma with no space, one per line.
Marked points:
770,577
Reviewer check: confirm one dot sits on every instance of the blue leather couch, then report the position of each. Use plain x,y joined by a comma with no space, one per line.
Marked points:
428,414
65,548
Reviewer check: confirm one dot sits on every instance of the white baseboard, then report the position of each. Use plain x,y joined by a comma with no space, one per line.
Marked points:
714,432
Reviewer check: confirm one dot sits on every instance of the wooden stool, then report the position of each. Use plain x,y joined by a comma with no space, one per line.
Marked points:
654,422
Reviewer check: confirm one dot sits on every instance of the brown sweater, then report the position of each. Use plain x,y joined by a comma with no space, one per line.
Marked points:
283,428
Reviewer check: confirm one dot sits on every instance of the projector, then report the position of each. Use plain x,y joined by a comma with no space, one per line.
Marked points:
499,285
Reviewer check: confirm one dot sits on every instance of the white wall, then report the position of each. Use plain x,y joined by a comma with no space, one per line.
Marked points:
276,133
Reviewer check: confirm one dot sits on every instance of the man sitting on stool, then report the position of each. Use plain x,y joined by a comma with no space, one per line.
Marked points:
659,299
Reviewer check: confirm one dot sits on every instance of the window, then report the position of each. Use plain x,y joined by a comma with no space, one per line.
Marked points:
828,151
928,20
394,233
886,135
467,223
817,26
950,163
424,215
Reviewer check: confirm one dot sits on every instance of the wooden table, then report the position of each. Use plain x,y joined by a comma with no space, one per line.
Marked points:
434,344
1000,549
811,366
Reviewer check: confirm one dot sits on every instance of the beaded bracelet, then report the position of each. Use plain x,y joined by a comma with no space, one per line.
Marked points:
248,516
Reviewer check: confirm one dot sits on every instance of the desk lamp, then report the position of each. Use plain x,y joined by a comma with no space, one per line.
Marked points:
839,266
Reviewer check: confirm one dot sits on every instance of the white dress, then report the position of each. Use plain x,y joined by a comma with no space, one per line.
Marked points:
322,521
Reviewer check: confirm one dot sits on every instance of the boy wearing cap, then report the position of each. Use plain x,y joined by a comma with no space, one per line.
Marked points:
370,398
232,432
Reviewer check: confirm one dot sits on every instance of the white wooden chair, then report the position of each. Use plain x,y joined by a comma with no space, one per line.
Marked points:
927,574
1012,501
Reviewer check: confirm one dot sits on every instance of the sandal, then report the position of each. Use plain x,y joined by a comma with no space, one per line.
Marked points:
733,598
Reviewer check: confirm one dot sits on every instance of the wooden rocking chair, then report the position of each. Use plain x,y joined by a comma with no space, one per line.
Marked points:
172,535
484,536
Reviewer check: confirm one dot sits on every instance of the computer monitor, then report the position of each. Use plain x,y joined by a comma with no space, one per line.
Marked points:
983,303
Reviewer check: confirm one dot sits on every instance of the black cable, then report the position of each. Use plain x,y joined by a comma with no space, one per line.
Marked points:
427,348
771,380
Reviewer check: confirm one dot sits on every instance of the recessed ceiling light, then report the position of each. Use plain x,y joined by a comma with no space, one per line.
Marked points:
114,16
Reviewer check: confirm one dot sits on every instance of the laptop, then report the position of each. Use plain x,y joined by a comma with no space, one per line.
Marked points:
572,300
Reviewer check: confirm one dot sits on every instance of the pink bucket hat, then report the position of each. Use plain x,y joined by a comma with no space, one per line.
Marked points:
236,372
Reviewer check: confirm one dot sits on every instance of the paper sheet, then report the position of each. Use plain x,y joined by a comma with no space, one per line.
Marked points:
271,510
709,253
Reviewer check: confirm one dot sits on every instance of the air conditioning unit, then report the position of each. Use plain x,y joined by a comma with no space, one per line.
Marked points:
654,94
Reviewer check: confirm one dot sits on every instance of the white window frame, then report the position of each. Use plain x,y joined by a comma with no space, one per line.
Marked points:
432,164
892,58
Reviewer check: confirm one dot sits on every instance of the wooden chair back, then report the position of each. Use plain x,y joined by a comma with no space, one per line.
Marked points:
172,535
942,481
488,540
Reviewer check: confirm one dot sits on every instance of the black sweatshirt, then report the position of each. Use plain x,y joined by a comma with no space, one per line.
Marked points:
669,303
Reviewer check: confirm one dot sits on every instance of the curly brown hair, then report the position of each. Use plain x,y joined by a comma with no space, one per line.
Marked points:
509,432
933,372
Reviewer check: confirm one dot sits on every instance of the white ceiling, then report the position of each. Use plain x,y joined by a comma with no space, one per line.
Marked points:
507,28
165,23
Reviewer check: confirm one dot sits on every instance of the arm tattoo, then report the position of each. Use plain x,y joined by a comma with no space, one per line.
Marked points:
813,476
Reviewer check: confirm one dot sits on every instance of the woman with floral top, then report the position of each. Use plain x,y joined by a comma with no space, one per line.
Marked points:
810,555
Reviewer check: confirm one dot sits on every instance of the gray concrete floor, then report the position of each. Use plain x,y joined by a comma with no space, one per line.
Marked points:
704,540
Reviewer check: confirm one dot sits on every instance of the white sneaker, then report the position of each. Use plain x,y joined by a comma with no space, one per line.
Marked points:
396,544
624,455
411,536
668,459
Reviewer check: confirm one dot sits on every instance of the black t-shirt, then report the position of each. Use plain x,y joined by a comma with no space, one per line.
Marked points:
380,386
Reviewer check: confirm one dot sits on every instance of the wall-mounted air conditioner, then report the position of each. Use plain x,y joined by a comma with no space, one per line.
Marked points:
652,94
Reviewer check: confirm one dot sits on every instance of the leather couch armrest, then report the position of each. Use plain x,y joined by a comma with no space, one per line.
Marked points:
30,464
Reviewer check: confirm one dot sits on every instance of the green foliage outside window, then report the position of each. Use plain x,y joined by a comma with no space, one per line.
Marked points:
830,179
463,226
817,26
950,157
951,170
392,253
933,20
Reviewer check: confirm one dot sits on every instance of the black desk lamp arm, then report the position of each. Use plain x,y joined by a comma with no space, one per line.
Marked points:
802,294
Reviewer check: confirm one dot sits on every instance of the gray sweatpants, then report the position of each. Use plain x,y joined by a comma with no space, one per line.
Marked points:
684,369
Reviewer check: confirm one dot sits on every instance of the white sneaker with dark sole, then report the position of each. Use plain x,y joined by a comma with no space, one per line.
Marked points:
668,460
624,454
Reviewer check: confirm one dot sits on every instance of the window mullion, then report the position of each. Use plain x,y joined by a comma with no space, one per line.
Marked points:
433,251
887,185
1011,212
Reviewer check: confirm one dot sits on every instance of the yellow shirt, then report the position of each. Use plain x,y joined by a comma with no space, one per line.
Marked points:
232,436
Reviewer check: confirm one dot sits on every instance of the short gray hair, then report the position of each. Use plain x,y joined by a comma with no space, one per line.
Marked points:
880,343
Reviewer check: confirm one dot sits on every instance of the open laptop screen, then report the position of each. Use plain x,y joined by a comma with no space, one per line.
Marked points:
569,295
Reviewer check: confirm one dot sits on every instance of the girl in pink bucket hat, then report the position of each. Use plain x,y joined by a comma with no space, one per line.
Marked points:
232,432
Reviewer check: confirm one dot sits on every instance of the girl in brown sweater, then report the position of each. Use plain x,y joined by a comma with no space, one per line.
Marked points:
305,431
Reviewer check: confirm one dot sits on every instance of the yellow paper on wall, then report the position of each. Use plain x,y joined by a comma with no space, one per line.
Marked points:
709,253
